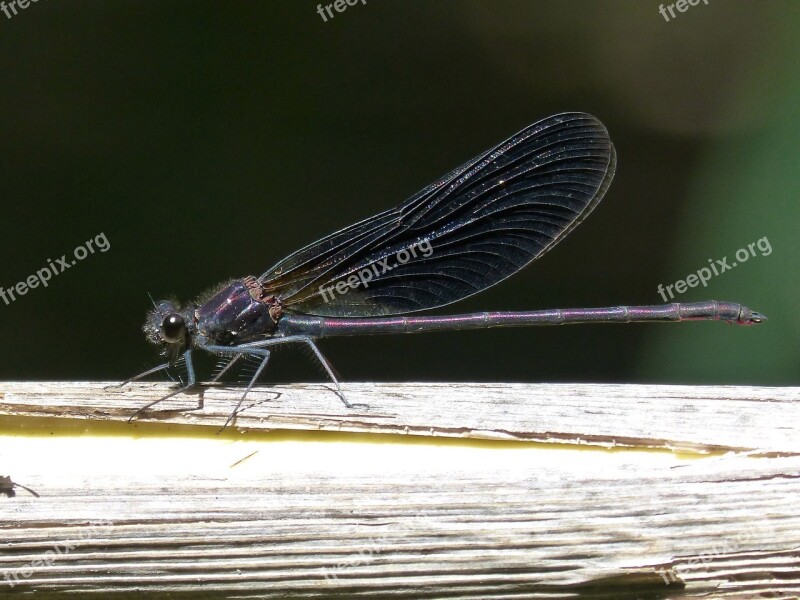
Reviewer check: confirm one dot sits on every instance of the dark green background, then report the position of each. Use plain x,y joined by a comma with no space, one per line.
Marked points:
209,139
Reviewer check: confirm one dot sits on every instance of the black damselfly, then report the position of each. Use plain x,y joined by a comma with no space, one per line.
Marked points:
465,232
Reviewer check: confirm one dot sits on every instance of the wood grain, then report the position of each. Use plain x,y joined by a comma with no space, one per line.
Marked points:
692,418
525,521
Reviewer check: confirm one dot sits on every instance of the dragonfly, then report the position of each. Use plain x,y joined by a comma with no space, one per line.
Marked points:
462,234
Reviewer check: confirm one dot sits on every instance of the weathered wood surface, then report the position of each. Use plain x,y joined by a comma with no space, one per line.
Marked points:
693,418
393,520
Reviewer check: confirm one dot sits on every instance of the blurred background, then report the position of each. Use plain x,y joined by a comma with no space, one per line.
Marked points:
207,140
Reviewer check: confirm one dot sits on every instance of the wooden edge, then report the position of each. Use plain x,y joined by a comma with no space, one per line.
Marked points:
686,418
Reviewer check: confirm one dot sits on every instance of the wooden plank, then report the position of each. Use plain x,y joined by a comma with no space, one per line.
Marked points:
691,418
618,528
138,513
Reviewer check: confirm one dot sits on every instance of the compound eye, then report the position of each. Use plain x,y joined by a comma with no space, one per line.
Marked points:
173,328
